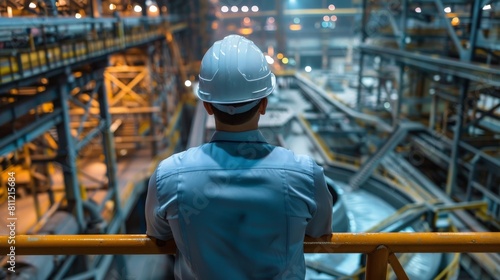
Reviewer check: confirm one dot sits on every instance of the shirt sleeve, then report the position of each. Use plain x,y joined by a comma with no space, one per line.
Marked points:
156,225
321,222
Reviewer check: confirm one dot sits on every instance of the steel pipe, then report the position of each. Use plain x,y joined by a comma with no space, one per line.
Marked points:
104,244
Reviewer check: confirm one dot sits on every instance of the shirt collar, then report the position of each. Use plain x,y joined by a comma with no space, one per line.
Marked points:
245,136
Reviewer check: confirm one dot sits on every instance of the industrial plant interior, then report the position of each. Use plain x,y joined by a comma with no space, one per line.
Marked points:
398,101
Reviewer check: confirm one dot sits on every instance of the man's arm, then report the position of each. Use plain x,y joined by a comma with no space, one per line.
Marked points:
321,222
156,224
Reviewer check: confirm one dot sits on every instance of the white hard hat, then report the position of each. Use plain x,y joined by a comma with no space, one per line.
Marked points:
234,70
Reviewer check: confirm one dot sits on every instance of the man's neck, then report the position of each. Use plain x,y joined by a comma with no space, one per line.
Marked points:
236,128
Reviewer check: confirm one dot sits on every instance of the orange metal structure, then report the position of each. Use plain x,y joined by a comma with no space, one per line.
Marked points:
380,248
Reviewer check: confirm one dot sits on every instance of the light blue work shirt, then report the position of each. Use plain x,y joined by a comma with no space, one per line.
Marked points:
238,208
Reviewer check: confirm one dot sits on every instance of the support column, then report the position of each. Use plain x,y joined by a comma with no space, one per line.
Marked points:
433,111
360,81
364,17
67,156
280,31
452,171
96,7
399,102
108,145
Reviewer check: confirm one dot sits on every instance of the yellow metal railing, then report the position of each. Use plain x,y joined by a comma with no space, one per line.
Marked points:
379,248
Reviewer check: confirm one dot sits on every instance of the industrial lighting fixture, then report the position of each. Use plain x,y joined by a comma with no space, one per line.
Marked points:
244,9
112,7
137,9
447,10
32,5
326,18
269,59
284,60
331,7
296,20
234,9
333,18
153,9
78,15
255,9
418,10
487,7
308,69
187,83
246,31
224,9
455,21
295,27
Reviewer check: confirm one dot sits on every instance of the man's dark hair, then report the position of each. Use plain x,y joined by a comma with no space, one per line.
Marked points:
236,119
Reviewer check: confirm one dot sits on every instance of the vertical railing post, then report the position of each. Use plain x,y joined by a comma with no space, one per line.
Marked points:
376,263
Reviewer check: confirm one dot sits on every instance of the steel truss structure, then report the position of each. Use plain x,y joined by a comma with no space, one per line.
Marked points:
438,62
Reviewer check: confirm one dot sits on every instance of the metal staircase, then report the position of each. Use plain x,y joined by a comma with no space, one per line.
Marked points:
369,166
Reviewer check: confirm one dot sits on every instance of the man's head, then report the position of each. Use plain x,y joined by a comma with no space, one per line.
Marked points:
235,80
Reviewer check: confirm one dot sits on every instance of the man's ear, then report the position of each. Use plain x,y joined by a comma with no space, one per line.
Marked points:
208,108
263,106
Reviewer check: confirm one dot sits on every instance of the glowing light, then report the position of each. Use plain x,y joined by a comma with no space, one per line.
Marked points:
246,20
455,21
270,20
295,27
112,6
224,9
32,5
187,83
269,59
246,31
326,18
487,7
296,20
78,15
284,60
447,10
153,9
308,69
255,9
333,18
137,9
234,9
280,56
244,9
418,10
331,7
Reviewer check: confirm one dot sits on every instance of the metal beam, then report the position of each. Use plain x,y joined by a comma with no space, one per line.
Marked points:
434,64
30,132
17,109
457,133
67,159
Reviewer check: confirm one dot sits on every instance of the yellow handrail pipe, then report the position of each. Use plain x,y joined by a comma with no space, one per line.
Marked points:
380,248
401,242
